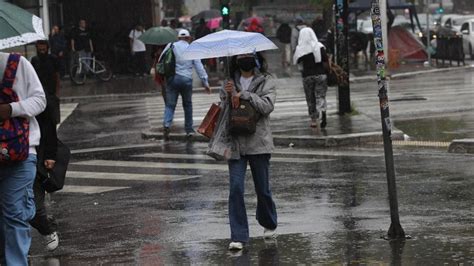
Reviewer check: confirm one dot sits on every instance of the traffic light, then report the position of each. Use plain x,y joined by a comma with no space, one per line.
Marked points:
225,12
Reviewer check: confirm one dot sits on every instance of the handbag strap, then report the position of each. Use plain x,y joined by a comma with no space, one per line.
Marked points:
9,78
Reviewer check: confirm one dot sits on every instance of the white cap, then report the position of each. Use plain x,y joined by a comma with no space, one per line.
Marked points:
184,33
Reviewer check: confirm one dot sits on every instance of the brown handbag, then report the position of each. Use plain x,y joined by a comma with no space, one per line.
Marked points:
209,123
243,120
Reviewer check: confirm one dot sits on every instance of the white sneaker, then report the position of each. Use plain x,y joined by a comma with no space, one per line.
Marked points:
236,246
269,234
52,241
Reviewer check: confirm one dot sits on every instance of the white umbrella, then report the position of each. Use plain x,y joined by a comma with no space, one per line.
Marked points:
227,43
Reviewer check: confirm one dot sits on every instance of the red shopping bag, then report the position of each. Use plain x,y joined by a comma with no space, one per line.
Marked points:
209,123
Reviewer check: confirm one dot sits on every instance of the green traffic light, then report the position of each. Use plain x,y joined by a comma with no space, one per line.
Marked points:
225,11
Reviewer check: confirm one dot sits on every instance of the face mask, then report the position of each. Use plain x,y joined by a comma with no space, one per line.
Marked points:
246,63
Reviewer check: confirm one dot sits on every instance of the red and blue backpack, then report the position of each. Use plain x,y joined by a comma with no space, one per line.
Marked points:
14,132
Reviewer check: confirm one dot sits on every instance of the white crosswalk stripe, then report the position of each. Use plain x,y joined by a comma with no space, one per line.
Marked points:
205,157
158,167
128,176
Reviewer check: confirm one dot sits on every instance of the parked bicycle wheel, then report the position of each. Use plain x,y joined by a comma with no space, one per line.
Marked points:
103,71
78,75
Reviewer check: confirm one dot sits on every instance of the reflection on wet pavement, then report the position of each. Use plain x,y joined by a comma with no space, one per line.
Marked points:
445,128
331,211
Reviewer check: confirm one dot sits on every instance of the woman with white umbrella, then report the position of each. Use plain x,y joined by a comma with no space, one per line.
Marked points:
252,91
311,55
251,83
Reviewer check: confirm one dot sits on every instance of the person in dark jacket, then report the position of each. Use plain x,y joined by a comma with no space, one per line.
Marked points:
284,36
58,48
312,57
48,73
202,30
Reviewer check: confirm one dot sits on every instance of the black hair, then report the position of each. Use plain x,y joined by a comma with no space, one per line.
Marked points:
263,68
42,42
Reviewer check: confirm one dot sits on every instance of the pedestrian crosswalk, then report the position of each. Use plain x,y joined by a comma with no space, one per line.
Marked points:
132,165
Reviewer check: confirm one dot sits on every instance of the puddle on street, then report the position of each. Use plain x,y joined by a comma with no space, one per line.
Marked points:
446,128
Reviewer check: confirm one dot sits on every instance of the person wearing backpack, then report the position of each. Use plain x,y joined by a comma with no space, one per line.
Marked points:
21,99
180,82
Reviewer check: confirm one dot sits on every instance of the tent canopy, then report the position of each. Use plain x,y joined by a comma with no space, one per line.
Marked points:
360,6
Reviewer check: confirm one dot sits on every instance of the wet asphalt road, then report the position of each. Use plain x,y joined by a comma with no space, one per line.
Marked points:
135,202
332,208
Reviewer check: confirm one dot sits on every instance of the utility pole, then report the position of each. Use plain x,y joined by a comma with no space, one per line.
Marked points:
342,53
395,231
428,35
45,16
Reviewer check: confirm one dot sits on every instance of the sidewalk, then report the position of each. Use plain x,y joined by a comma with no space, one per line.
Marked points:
289,129
289,121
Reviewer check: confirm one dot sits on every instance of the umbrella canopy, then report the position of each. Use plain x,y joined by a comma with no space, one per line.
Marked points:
18,27
214,23
159,36
206,15
227,43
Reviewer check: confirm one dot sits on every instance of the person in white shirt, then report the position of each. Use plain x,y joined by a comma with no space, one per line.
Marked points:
17,206
138,50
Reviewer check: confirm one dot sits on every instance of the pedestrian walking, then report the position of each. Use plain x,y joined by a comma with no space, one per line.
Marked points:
295,32
17,205
284,36
312,57
138,50
48,73
47,69
255,26
202,30
252,83
81,42
182,84
58,48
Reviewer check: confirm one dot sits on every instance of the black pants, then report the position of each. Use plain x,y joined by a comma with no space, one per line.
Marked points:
140,63
41,222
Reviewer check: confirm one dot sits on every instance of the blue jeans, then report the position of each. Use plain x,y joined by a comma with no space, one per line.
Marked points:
266,211
179,85
17,206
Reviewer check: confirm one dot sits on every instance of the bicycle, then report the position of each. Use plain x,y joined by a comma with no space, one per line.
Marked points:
84,65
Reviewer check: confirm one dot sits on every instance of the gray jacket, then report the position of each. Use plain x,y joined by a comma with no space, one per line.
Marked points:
262,95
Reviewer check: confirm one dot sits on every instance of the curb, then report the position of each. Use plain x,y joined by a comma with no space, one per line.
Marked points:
461,146
410,74
354,139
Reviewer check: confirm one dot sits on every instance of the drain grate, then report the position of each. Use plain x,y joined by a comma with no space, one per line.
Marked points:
419,143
